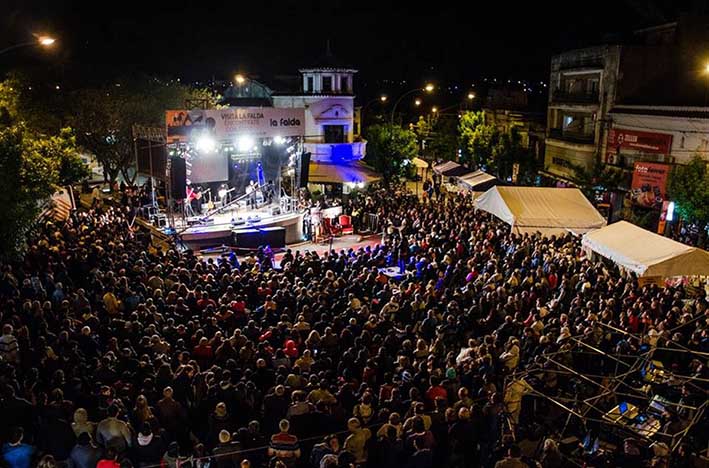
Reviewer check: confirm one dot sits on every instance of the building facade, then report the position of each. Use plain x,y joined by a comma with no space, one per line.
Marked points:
582,88
662,134
328,99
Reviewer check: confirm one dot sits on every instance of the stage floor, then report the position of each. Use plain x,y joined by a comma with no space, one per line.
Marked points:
219,227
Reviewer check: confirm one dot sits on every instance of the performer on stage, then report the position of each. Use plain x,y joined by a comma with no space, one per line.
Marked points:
268,192
251,192
191,194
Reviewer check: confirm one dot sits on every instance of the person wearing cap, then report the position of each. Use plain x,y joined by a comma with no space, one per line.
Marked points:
226,454
356,442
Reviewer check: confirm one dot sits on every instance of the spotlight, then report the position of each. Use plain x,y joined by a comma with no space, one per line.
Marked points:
279,140
205,144
245,143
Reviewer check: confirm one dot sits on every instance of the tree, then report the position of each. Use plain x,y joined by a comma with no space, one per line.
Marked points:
478,138
104,118
599,175
33,166
387,147
509,151
689,188
440,135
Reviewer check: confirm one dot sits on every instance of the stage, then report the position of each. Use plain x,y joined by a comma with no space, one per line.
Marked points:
240,225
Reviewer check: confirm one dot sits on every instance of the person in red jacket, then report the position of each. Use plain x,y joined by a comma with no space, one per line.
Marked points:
109,461
435,391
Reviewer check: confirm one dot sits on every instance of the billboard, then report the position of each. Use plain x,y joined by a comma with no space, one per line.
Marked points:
649,186
644,142
226,124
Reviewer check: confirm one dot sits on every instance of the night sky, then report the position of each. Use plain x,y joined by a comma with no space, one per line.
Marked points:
198,40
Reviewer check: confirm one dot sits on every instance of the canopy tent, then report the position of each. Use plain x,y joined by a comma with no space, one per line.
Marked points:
646,253
352,172
478,180
541,209
451,169
419,163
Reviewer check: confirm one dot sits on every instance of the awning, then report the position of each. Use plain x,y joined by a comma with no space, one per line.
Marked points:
419,163
451,169
353,172
478,180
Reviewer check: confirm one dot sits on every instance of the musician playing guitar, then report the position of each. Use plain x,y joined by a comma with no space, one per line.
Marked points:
191,194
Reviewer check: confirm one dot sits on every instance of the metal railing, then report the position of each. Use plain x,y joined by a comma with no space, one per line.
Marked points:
575,137
580,97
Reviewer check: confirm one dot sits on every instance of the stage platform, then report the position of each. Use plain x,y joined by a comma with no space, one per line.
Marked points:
220,228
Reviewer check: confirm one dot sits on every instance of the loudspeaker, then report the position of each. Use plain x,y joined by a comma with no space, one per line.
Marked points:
178,177
304,169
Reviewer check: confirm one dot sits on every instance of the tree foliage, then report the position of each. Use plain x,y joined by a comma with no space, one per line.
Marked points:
494,150
34,167
599,176
478,138
440,135
387,147
689,188
104,117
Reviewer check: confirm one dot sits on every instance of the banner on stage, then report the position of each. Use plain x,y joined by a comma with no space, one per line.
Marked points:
227,124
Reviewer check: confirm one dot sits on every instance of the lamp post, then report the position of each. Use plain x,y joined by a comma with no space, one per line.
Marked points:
242,80
383,99
43,41
428,88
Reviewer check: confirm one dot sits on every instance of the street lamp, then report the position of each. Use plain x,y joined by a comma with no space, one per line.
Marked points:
471,96
383,98
434,109
417,102
43,41
240,79
428,88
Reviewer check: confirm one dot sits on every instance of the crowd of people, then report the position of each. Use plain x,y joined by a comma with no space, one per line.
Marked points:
115,353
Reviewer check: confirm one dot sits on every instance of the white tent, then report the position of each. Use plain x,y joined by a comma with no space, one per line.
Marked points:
646,253
477,180
541,209
451,169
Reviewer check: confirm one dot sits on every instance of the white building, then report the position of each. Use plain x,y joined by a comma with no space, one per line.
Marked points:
328,99
663,134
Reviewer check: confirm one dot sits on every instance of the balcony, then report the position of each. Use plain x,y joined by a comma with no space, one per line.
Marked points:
334,152
572,137
575,97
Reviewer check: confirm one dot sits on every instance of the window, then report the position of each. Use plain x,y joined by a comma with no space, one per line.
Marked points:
344,84
309,86
334,133
327,84
592,86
